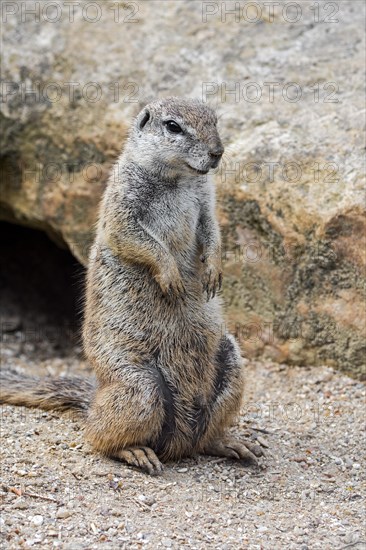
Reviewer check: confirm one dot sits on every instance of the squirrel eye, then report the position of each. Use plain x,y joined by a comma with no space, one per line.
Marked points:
173,127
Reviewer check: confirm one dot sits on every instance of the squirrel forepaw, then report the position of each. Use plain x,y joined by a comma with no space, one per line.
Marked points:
212,278
171,282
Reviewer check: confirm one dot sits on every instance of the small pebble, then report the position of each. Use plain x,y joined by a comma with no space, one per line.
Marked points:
63,513
263,441
149,500
20,504
37,520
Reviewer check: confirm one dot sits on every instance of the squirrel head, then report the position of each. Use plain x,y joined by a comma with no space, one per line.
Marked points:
176,137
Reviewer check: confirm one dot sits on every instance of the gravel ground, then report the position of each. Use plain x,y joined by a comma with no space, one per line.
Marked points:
307,493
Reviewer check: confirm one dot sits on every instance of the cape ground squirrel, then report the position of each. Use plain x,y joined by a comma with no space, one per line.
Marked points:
169,380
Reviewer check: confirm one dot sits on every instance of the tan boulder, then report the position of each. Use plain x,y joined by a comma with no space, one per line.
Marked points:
288,87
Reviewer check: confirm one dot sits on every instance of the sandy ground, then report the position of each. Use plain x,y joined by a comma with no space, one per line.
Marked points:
307,493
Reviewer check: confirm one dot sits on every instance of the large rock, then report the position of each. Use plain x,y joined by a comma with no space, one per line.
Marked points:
289,91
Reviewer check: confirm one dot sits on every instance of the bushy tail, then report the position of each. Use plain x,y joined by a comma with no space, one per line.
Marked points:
58,394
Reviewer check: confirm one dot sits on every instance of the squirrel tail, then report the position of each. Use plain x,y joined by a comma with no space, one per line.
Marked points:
58,394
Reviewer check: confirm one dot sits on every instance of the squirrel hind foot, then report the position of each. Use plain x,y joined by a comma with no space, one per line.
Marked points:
244,451
142,458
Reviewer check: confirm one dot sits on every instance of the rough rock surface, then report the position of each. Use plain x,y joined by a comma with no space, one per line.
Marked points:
290,188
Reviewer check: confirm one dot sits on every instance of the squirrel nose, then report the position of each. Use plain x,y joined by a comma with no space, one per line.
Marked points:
217,151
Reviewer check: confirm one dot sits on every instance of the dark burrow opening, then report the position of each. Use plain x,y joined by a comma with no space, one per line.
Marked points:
41,296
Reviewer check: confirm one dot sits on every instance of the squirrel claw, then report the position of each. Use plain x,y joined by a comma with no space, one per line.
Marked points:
171,283
212,281
211,289
177,289
220,280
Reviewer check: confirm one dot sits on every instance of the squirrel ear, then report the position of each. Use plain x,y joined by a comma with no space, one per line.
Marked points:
143,118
